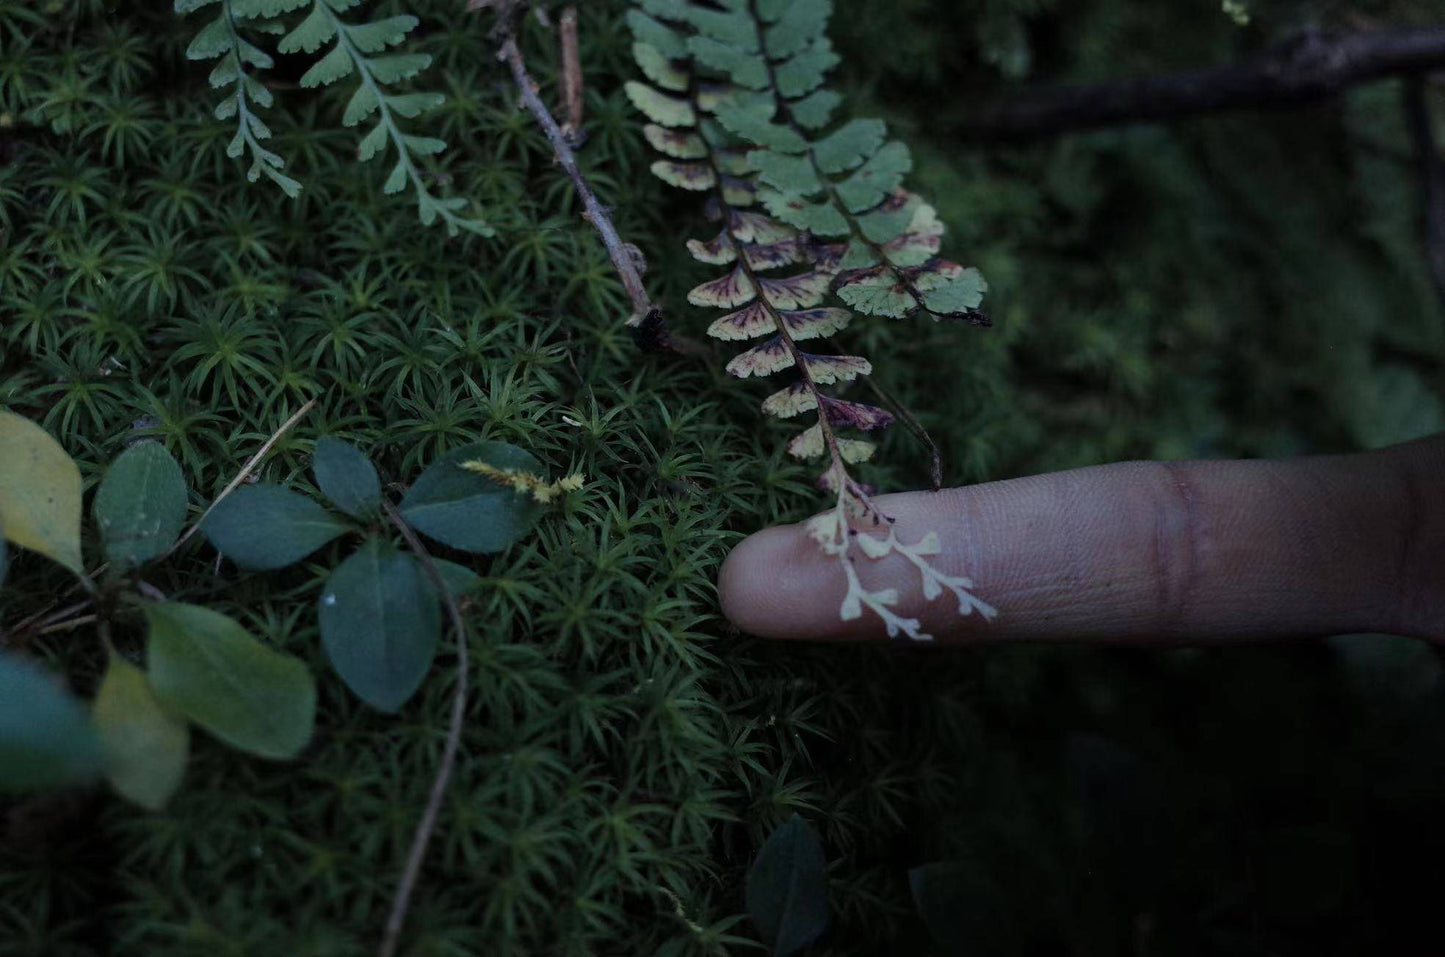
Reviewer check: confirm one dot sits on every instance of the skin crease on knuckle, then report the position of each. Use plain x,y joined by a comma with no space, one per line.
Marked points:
1143,552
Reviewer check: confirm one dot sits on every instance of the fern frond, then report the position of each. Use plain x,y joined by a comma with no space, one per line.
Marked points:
361,49
738,110
766,62
221,39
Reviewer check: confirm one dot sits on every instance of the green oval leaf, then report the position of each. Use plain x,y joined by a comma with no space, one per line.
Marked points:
346,477
140,505
380,623
458,578
469,511
207,667
787,888
263,527
46,739
145,745
39,492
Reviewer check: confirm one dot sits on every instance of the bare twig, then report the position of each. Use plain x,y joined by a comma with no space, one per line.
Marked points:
571,78
1310,67
1431,172
235,483
68,624
646,322
427,824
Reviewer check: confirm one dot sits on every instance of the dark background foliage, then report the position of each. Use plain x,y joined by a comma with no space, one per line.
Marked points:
1233,286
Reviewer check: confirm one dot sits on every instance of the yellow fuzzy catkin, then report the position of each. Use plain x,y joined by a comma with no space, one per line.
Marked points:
534,485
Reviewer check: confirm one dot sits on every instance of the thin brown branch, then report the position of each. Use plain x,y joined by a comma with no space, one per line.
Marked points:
646,322
571,77
1312,66
422,836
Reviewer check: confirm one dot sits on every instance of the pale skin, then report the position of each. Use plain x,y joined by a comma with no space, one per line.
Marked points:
1141,552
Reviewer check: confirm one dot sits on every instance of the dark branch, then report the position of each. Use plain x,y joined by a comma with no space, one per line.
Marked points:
1308,68
646,321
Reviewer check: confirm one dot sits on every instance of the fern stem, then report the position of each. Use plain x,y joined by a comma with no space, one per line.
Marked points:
384,115
262,159
830,439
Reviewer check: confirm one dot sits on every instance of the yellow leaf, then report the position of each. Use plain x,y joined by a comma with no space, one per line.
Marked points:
145,745
39,492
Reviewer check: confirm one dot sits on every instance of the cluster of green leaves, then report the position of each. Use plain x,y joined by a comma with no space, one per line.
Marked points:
380,612
353,49
201,666
739,108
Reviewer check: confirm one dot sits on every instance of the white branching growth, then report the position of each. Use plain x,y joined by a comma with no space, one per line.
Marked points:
739,112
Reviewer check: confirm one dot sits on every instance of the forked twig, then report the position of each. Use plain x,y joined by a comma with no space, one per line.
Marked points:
427,824
646,322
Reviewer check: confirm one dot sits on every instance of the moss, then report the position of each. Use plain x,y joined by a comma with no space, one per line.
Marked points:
627,752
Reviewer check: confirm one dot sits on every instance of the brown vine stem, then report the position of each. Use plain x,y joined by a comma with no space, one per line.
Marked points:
646,322
424,828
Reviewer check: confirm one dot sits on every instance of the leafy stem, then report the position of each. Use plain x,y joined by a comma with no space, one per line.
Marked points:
417,854
856,231
429,206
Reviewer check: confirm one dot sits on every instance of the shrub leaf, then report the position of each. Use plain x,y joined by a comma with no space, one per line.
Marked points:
380,623
141,504
263,527
145,745
46,740
210,669
787,888
470,511
346,477
39,492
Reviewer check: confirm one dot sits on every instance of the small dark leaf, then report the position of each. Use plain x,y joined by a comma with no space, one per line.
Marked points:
266,526
46,739
210,669
458,578
787,888
140,505
346,477
380,622
469,511
4,556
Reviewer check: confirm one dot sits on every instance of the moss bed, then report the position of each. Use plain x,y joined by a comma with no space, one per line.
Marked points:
1229,287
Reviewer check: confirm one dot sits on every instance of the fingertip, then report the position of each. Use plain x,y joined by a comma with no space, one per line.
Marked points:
762,579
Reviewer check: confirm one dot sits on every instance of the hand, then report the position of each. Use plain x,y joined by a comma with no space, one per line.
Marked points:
1142,551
